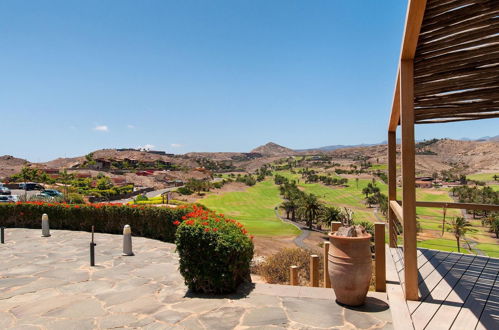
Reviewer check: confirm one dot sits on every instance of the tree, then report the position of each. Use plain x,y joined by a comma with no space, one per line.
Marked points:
329,214
494,226
459,227
495,177
310,207
65,178
289,206
104,183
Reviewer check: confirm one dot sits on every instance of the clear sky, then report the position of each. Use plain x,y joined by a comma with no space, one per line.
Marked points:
187,75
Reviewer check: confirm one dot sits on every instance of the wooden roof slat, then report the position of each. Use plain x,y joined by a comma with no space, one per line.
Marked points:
456,60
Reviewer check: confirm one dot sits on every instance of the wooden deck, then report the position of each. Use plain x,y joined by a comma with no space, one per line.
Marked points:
458,291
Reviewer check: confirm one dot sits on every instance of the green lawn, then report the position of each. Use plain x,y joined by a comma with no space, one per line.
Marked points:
254,208
441,244
482,176
350,196
492,250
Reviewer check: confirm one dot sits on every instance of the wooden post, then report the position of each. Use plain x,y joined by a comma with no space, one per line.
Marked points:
392,186
380,261
408,178
314,270
327,281
335,225
293,275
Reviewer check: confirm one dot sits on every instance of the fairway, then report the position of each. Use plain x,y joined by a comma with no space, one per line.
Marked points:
254,208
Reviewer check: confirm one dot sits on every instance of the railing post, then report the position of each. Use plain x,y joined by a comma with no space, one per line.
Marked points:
380,261
314,270
335,225
293,275
327,280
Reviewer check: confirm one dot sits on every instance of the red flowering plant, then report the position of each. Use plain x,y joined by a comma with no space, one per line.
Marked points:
215,251
146,221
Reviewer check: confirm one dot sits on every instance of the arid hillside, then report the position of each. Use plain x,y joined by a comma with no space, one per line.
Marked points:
432,156
273,149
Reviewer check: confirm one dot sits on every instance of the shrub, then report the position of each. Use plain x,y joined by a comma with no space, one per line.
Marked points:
75,198
215,252
275,269
151,222
184,191
141,198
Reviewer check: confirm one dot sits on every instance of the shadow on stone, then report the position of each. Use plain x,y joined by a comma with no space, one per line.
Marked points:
242,292
372,305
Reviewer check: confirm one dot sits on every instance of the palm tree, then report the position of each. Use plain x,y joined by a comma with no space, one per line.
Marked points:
288,206
309,208
329,214
459,227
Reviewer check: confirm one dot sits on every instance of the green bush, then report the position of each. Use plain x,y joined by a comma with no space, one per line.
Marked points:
184,191
215,252
151,222
75,198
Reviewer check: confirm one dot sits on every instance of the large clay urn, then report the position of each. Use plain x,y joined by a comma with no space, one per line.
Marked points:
350,268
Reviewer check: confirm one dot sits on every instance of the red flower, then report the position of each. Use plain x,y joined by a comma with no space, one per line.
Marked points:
207,229
205,223
176,222
214,229
184,217
77,206
21,213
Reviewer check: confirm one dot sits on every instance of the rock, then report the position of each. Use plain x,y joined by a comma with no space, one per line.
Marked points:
266,316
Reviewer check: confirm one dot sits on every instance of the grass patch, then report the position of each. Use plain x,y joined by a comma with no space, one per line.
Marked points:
482,177
492,250
254,208
442,245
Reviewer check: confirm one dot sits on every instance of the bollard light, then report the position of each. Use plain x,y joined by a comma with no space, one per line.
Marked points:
2,235
92,249
45,225
127,241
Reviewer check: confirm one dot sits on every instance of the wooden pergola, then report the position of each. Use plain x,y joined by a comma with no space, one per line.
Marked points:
448,71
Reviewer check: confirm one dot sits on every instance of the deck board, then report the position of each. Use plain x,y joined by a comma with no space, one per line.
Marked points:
458,291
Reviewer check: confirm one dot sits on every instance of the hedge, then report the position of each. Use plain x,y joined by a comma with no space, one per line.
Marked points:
215,252
150,222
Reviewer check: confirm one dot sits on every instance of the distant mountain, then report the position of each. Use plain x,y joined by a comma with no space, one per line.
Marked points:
339,146
273,149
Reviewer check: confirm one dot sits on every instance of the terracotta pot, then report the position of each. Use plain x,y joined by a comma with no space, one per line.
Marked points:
350,268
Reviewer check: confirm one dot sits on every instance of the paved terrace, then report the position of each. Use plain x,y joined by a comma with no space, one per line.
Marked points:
47,283
458,291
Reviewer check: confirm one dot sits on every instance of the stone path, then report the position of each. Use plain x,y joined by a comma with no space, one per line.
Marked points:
47,283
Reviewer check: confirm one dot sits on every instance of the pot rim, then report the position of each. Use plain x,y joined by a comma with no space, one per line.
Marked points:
330,234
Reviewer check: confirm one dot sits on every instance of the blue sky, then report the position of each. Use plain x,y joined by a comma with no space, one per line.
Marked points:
181,76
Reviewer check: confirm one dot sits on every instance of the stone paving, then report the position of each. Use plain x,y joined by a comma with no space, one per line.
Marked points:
47,283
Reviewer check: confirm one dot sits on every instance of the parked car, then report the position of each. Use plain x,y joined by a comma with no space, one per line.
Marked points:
30,186
14,198
4,190
5,199
51,192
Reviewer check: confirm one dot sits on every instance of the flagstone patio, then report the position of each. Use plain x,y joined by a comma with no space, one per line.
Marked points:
47,283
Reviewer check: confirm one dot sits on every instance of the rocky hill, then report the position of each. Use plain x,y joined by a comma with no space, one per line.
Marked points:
10,165
273,149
